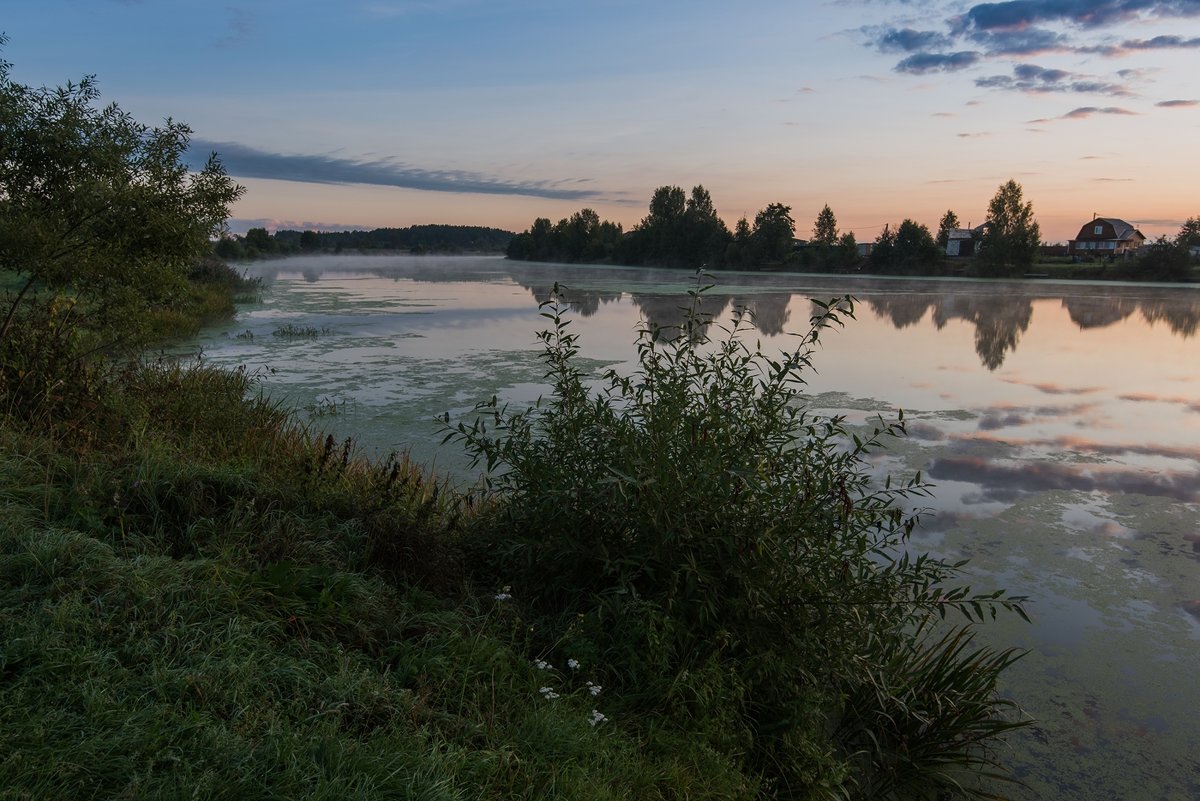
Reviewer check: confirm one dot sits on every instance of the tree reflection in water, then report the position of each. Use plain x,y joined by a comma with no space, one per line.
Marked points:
1000,312
1182,318
999,319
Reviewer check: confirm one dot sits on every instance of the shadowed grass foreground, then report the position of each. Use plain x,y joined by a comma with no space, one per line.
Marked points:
206,601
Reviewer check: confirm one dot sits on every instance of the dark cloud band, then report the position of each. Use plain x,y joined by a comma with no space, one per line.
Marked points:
248,162
1017,14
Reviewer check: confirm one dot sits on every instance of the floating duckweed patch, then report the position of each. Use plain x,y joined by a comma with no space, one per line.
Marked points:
1102,676
844,401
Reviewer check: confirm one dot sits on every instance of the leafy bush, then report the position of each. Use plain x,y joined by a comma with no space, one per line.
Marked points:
101,222
725,552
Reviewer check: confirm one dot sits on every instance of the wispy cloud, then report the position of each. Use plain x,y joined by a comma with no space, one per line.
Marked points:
922,63
1177,103
907,40
241,26
1130,46
1083,112
1020,42
1162,43
248,162
1088,111
1033,79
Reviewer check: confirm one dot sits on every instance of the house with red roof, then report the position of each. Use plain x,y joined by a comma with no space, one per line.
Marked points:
1106,236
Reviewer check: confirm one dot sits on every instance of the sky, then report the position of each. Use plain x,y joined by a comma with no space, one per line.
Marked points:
391,113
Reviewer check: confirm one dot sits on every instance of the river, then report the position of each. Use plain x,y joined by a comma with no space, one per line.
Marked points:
1060,423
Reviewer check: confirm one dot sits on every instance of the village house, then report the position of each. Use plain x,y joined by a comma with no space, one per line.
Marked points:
964,241
1105,237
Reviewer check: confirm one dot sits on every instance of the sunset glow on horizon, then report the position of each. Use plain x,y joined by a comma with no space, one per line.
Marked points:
390,113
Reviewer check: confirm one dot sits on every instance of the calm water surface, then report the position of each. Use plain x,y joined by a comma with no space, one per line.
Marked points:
1060,422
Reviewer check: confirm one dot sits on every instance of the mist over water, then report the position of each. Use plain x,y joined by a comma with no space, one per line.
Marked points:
1060,423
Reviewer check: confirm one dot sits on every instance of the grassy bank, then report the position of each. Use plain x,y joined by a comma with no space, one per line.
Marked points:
204,599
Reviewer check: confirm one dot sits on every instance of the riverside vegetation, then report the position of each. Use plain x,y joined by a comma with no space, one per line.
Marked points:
678,584
683,230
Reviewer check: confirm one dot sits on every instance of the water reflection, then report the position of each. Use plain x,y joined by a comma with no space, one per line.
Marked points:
1182,318
999,312
582,302
668,312
1005,482
1098,311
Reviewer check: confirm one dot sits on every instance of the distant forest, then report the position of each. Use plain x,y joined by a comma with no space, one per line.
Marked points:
684,230
259,243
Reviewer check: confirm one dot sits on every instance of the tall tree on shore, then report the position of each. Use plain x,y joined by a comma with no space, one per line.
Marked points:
666,205
1011,236
1189,233
825,230
740,250
705,237
660,233
774,230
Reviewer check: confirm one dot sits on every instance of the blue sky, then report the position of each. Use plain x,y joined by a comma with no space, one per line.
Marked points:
393,112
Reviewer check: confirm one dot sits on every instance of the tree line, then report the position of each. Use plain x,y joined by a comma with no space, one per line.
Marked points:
260,243
680,230
684,230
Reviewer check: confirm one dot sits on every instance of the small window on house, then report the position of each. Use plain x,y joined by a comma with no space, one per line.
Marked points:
1099,229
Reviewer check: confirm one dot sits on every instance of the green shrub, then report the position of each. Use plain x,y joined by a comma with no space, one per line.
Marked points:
723,551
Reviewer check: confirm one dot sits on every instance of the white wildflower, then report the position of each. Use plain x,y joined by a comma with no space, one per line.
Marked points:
542,664
597,717
503,596
548,693
573,664
594,689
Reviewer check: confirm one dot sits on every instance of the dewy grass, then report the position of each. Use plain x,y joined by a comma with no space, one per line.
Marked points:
207,599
